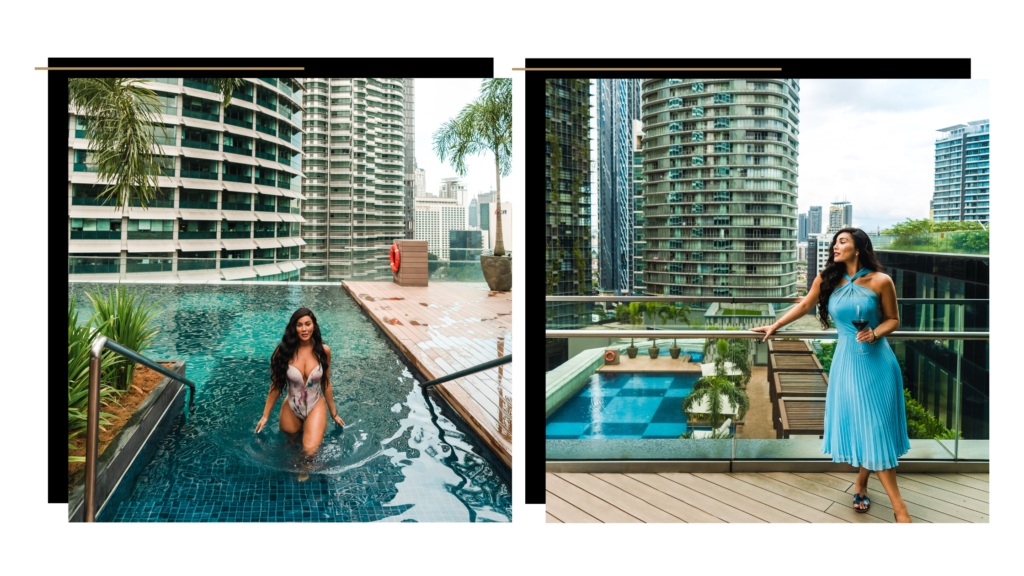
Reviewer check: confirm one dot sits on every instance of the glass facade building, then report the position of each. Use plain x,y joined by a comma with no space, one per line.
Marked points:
354,161
567,196
814,220
720,197
410,156
229,191
617,106
962,173
929,366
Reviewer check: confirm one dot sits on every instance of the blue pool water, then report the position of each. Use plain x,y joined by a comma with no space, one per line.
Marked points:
624,405
401,458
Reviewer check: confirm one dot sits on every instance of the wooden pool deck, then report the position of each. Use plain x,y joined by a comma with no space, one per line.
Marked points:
447,327
760,497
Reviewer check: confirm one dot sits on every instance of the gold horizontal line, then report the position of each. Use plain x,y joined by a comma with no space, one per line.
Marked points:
162,68
648,69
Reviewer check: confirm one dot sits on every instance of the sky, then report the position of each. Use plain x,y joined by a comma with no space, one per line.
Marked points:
872,143
438,100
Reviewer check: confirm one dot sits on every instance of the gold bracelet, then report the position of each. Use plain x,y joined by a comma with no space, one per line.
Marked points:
874,335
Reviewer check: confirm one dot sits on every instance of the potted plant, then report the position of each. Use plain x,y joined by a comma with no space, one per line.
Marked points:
653,350
482,126
674,350
635,319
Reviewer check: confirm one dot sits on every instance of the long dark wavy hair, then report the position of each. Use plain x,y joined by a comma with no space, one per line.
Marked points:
289,344
833,272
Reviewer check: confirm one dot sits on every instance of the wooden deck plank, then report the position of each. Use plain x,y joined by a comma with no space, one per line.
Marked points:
962,480
981,477
552,520
749,505
907,483
848,514
920,505
825,479
942,484
584,500
566,512
714,508
842,497
623,500
782,503
794,493
658,499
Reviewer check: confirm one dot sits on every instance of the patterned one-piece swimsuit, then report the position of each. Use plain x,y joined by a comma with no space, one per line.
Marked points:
302,396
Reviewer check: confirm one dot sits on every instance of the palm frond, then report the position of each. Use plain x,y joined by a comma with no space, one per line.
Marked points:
225,86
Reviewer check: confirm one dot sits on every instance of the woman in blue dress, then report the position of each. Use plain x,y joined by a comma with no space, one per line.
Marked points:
865,417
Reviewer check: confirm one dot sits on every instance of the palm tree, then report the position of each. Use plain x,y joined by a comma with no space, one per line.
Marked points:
484,125
717,391
121,117
735,350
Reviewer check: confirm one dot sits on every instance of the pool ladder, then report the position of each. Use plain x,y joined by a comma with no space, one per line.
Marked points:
93,419
473,370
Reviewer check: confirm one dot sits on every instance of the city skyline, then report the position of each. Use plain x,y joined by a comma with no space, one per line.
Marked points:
873,142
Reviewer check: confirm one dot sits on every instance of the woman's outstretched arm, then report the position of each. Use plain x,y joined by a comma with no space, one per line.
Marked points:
328,393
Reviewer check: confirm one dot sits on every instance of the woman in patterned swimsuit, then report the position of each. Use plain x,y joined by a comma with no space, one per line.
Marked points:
302,363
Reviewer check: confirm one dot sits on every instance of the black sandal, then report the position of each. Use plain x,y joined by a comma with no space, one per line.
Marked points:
857,499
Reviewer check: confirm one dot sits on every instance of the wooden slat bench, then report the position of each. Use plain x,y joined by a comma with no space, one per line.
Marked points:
789,347
804,416
792,363
795,385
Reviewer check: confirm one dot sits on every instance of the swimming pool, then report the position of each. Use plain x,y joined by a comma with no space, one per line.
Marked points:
617,405
403,456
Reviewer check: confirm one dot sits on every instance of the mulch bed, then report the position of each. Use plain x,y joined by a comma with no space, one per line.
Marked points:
143,382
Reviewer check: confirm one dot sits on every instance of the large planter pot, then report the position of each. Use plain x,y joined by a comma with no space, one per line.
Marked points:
674,351
631,351
653,351
497,272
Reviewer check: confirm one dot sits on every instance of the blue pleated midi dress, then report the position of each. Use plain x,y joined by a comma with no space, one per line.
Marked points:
865,417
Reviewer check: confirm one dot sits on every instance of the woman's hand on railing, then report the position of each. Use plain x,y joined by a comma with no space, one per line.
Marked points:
768,330
263,422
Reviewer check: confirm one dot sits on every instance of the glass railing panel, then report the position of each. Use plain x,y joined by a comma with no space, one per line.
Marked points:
635,408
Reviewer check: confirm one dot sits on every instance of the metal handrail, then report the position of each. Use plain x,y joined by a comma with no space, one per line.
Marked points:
816,334
93,418
743,300
473,370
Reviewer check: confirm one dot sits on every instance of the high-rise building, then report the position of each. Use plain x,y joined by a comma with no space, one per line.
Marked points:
435,218
720,158
410,156
421,181
355,203
567,197
473,214
814,220
229,189
817,255
801,228
453,188
840,215
488,215
962,173
618,104
637,257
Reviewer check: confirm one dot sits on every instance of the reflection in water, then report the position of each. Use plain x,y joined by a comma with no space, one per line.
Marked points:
396,460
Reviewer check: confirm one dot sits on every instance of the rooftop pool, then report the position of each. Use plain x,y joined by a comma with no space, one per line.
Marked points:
403,456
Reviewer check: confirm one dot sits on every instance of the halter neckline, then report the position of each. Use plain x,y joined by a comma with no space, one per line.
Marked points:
859,273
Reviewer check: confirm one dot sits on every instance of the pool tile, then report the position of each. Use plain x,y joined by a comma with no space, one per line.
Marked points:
665,430
677,392
631,409
566,428
641,392
669,410
683,382
648,381
616,429
591,390
576,409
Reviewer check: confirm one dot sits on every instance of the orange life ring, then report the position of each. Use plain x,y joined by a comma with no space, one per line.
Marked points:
395,258
609,355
